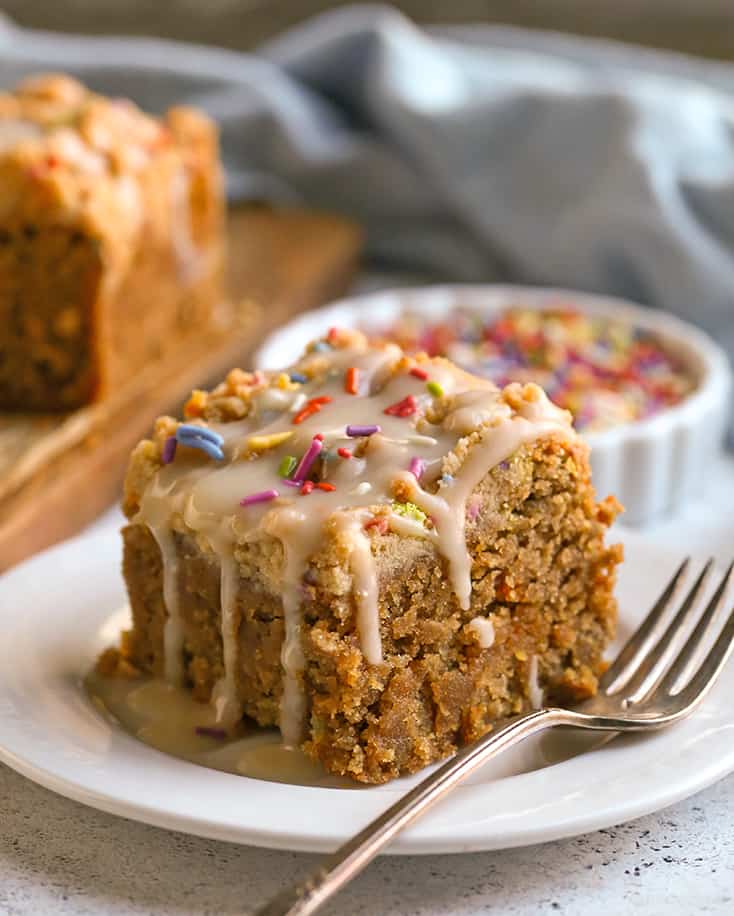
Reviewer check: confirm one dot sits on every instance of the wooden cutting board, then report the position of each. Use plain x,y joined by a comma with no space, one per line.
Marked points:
58,472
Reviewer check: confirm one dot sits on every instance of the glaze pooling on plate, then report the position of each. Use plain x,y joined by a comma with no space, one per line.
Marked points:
351,436
167,717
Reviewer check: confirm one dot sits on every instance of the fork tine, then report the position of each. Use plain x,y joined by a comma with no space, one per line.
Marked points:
641,639
704,678
698,636
653,665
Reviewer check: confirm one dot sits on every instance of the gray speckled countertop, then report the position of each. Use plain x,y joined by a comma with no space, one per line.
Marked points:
60,857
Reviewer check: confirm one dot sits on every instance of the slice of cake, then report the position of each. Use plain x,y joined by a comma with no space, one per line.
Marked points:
380,554
111,240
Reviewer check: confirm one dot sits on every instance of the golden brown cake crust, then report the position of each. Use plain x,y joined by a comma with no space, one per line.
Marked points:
111,239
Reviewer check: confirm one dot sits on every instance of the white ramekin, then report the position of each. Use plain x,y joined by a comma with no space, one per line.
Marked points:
652,466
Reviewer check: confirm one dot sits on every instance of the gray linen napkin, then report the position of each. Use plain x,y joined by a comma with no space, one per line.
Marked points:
468,153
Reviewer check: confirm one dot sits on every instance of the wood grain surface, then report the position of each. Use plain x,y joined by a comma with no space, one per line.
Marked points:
57,473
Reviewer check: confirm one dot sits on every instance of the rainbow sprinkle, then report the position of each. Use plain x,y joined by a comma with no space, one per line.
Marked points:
606,371
210,731
287,465
379,523
355,431
351,381
311,407
405,408
264,496
435,389
411,511
263,443
168,452
473,509
308,459
202,438
417,467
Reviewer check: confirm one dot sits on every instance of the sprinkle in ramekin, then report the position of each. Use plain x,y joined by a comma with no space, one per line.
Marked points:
419,373
344,453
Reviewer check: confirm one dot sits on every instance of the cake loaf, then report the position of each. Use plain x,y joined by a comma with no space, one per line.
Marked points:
111,240
379,554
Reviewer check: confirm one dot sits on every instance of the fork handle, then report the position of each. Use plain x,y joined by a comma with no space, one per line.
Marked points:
347,862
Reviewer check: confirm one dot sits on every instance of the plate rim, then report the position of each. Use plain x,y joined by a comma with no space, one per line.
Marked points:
105,545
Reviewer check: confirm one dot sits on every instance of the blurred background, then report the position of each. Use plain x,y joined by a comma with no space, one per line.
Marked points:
362,153
693,26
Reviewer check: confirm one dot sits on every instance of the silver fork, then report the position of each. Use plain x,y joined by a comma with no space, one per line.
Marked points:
653,682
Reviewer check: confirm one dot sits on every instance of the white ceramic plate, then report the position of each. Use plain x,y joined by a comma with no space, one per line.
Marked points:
58,610
653,465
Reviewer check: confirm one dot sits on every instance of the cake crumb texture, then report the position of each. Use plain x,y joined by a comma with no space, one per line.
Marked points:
377,553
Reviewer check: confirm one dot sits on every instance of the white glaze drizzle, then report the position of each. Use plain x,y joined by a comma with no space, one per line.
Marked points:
296,550
204,495
448,509
173,631
484,631
365,587
535,691
225,695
